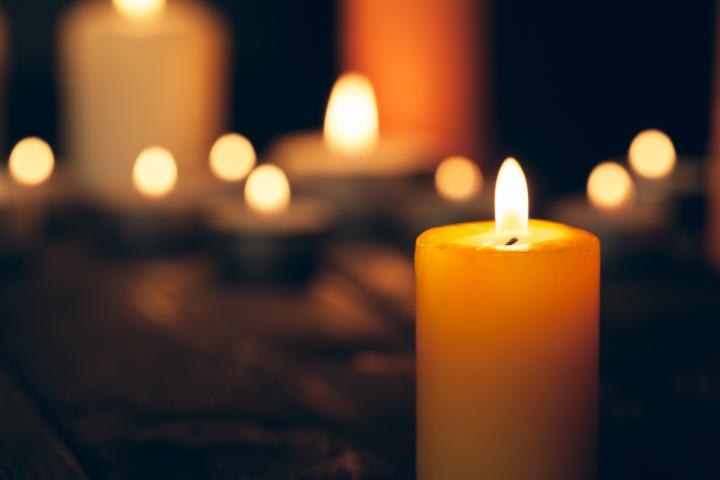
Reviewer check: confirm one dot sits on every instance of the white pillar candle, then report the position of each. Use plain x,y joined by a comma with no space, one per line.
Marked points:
140,73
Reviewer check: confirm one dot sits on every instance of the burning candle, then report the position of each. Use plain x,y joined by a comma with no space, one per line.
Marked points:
507,345
232,157
271,237
350,144
610,188
138,73
428,62
31,162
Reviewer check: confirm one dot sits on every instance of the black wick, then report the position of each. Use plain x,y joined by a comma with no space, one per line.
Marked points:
512,241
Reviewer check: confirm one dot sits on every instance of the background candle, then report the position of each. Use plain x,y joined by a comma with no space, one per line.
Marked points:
134,77
428,62
507,349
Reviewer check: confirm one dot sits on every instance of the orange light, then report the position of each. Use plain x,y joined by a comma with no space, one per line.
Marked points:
458,179
351,119
31,161
610,186
511,199
267,190
140,9
232,157
652,154
155,172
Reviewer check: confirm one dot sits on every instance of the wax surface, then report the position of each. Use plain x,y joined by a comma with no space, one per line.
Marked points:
507,353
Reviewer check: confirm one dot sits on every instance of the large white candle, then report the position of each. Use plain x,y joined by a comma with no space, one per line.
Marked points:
137,73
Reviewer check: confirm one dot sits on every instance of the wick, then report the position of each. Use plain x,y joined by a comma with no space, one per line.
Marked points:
512,241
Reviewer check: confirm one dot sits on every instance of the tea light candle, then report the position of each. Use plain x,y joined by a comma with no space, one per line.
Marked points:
137,73
270,238
507,345
157,219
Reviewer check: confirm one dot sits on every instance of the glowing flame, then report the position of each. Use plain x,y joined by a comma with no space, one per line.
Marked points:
267,190
155,172
652,154
458,179
351,120
140,9
31,161
511,199
609,186
232,157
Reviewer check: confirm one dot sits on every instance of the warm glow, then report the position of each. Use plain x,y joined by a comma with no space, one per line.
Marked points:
458,179
267,190
351,120
232,157
609,186
652,154
511,199
155,172
31,161
140,9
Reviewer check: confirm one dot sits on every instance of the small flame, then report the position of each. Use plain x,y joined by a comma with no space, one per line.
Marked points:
351,120
140,9
652,154
610,186
232,157
511,199
155,172
31,161
267,190
458,179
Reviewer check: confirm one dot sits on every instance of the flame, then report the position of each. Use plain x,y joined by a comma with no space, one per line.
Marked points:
458,179
267,190
351,120
652,154
610,186
155,172
232,157
140,9
31,161
511,199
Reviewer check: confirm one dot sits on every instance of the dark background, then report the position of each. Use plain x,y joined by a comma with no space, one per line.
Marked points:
572,81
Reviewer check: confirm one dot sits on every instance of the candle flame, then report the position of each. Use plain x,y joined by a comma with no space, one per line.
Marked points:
652,154
511,199
140,9
267,190
31,161
232,157
610,187
458,179
155,172
351,119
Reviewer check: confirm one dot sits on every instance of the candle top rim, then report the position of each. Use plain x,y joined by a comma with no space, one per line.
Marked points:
543,237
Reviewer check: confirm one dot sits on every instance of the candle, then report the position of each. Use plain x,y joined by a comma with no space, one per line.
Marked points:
157,218
138,73
653,158
232,158
270,238
350,145
507,345
428,62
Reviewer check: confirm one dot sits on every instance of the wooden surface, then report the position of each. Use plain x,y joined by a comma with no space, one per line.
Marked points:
156,369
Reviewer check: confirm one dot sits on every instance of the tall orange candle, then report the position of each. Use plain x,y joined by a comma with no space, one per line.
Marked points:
507,346
427,60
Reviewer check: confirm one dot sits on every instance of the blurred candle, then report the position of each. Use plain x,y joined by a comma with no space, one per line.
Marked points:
31,162
652,154
155,172
428,62
351,143
232,157
507,346
267,190
458,179
609,187
138,73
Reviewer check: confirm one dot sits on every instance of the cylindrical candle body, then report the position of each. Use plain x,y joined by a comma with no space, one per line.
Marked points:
507,354
427,60
134,83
